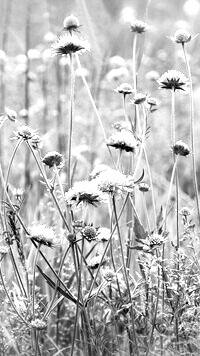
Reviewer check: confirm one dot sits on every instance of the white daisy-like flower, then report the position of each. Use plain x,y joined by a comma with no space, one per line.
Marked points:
123,140
71,23
174,80
84,192
44,235
70,43
139,26
182,36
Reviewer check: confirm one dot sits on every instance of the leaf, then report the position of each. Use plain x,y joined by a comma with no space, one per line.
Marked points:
139,230
67,294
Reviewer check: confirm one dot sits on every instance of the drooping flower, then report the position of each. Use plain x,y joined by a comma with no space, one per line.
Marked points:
70,43
174,80
71,23
123,140
181,148
84,192
44,235
139,26
52,159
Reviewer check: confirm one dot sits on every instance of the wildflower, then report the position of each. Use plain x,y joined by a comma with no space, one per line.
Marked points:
139,26
153,242
108,274
67,44
174,80
44,235
120,125
114,182
123,140
139,99
181,148
71,238
144,187
182,36
104,234
185,211
11,114
25,132
18,193
52,159
115,74
38,324
89,232
95,261
71,23
84,192
124,89
36,142
152,103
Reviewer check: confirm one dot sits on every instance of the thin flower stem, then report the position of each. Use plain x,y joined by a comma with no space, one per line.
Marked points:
49,187
146,211
138,164
151,188
126,278
72,86
134,62
192,138
169,192
11,161
94,106
34,279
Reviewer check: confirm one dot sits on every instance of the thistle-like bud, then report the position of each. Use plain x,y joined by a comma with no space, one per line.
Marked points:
71,23
181,148
71,238
89,232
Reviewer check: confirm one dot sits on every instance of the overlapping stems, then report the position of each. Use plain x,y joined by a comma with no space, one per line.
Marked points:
192,136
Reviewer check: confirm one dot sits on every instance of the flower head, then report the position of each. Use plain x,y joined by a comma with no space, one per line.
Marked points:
71,23
89,232
139,98
108,274
36,142
67,44
124,89
84,192
44,235
139,26
123,140
114,182
38,324
185,211
181,148
174,80
52,159
25,132
144,187
182,36
98,169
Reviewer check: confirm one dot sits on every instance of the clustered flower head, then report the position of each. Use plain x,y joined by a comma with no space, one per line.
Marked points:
185,211
89,232
52,159
139,26
70,43
181,148
123,140
174,80
182,36
44,235
139,98
25,132
124,89
152,104
112,181
154,241
86,192
38,324
71,23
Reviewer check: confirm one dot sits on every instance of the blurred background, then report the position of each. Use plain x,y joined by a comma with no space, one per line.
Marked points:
36,85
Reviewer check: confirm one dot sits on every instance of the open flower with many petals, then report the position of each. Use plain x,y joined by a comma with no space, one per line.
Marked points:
174,80
84,192
182,36
123,140
67,44
112,181
139,26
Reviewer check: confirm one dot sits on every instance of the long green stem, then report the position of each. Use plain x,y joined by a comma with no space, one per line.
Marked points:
192,138
34,279
72,86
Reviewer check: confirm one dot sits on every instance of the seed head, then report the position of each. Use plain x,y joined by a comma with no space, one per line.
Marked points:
139,26
67,44
71,23
124,89
52,159
44,235
181,148
174,80
38,324
89,232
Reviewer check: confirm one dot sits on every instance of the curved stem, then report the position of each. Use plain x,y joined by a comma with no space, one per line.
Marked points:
194,170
